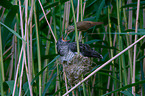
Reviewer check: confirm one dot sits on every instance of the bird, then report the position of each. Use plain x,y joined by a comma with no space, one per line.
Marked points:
83,26
63,50
67,50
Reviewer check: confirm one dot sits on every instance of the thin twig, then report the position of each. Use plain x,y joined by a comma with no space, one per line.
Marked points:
7,50
47,21
7,56
41,18
2,13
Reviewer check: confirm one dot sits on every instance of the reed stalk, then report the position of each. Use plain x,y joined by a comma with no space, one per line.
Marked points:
12,59
23,48
129,51
135,47
84,88
76,32
38,50
21,76
119,31
1,66
46,53
16,75
111,51
28,72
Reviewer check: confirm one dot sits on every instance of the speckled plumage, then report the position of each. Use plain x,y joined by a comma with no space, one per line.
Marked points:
68,50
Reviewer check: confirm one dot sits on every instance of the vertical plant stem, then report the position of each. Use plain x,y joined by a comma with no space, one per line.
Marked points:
129,51
144,41
134,56
130,41
17,47
22,69
81,13
77,41
60,24
118,18
16,55
130,15
55,34
122,58
81,10
46,53
109,27
11,62
28,45
31,12
64,16
67,11
1,66
27,40
84,7
58,78
143,18
30,66
23,45
111,51
16,76
65,79
38,51
93,85
29,76
78,9
66,23
84,89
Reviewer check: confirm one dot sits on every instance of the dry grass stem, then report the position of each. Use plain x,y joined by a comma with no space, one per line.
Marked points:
135,47
47,21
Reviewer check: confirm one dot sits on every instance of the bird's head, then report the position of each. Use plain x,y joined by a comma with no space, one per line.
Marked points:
70,28
62,41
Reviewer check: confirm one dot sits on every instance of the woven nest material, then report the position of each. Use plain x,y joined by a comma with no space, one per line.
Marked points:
77,67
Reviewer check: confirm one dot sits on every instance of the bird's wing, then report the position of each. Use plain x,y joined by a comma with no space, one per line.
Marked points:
83,47
85,50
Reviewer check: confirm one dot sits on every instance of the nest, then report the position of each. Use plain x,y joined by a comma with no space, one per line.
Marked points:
78,66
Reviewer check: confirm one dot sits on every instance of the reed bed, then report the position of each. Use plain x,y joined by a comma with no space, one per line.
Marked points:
29,61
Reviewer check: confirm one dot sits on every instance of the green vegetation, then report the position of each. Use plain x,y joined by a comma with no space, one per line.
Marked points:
29,62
